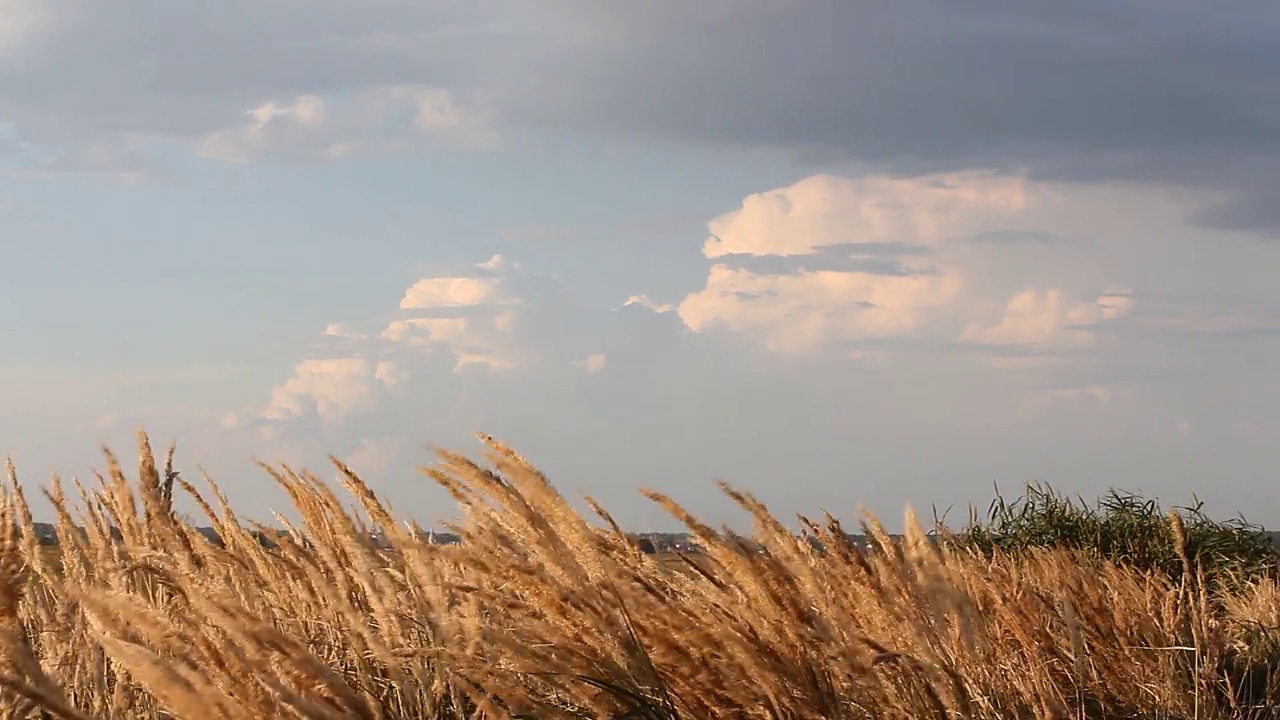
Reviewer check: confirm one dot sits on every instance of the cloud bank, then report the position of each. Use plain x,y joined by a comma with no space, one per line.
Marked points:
891,309
1178,91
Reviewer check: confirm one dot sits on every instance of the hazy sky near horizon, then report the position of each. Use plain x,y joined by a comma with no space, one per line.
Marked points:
837,253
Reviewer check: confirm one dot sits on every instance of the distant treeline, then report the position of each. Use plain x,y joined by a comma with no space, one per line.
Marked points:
47,534
650,542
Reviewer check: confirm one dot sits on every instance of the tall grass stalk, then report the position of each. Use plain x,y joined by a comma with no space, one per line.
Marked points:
542,612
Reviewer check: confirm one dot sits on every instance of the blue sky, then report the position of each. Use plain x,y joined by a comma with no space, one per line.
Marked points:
840,254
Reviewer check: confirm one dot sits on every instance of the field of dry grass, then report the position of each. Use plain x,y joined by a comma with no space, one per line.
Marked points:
542,614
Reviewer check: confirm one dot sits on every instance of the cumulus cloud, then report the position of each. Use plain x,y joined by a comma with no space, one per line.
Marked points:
372,457
430,293
333,388
1050,398
592,363
852,259
484,339
270,128
1031,271
21,22
343,331
311,128
646,301
1046,319
392,373
808,311
824,210
1048,290
472,315
457,319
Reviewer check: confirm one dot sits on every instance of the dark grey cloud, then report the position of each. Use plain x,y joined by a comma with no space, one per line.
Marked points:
1179,91
939,83
138,69
1257,209
872,258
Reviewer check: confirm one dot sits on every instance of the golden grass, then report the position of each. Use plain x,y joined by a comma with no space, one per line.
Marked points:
541,613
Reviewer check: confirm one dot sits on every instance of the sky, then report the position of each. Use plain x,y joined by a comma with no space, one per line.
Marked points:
848,256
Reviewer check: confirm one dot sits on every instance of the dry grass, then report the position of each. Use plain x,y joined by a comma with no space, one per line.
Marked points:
541,613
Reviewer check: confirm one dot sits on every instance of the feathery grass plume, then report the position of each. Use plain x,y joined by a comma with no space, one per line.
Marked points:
1047,612
24,686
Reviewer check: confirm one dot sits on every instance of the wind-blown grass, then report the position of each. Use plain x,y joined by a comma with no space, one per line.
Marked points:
543,613
1128,529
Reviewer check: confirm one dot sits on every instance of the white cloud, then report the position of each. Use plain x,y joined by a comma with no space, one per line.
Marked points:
825,210
270,129
472,314
309,127
1045,319
827,264
334,388
374,457
442,292
480,332
21,22
420,332
391,373
1046,399
852,259
468,318
646,301
592,363
485,340
343,331
804,312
